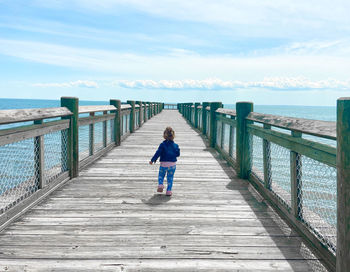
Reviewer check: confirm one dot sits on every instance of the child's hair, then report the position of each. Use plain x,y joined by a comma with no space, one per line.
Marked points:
169,134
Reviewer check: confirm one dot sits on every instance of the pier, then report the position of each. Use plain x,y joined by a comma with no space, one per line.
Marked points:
83,197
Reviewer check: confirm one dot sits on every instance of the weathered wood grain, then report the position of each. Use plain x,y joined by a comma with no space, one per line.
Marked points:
111,218
99,108
325,129
23,115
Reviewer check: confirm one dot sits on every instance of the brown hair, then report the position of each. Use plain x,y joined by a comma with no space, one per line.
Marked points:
169,134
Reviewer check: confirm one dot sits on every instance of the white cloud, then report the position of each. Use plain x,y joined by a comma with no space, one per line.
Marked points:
276,83
78,83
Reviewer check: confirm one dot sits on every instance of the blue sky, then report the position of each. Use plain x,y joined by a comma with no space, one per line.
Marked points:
266,51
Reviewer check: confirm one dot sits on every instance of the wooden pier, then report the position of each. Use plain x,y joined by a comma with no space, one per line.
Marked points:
110,217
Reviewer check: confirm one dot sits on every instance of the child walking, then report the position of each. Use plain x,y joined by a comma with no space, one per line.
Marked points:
168,152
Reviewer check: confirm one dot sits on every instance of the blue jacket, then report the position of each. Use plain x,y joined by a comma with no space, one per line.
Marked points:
168,151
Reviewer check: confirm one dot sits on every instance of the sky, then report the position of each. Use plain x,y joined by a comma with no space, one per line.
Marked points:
270,52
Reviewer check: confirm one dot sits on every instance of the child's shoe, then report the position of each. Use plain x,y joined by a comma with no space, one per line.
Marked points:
160,188
169,193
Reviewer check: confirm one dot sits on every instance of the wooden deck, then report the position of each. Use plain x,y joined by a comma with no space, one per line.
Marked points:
112,219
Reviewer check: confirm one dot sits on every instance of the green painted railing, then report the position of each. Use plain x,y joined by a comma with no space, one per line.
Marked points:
43,148
301,166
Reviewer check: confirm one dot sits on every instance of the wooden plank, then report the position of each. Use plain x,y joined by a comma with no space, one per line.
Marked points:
323,129
101,108
24,115
84,121
20,134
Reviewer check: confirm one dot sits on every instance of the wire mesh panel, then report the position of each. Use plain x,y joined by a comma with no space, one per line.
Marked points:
200,120
208,125
226,137
233,151
124,125
318,205
18,172
218,133
137,118
98,136
280,173
55,154
257,156
110,131
84,139
128,123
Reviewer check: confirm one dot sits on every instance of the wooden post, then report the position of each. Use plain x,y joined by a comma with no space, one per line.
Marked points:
91,136
242,139
72,103
132,115
39,157
267,160
204,117
141,113
196,114
117,120
213,107
343,184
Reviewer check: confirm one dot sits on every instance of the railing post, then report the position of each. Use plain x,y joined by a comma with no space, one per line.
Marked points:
343,184
39,157
132,115
141,112
72,103
296,180
204,117
117,120
242,139
196,114
213,107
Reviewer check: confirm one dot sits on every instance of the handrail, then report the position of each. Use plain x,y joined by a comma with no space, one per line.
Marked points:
324,129
270,152
88,109
25,115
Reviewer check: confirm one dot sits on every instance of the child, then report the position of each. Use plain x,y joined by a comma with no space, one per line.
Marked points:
168,152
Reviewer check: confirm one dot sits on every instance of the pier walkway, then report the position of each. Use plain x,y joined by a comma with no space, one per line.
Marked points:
110,218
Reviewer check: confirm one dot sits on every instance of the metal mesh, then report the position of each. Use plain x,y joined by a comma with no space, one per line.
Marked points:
226,137
110,131
137,118
218,133
128,123
98,136
208,125
257,157
84,139
18,172
233,151
200,119
318,200
124,125
55,154
280,173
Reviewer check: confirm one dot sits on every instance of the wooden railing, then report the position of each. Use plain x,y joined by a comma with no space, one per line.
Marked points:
296,164
41,149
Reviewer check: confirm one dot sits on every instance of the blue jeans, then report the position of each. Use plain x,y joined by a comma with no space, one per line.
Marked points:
170,171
